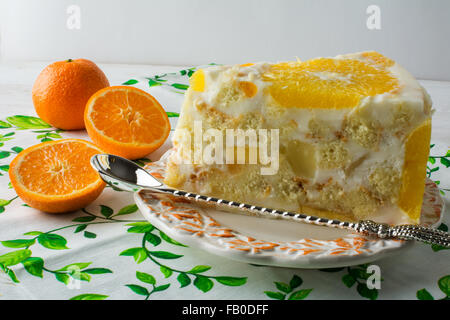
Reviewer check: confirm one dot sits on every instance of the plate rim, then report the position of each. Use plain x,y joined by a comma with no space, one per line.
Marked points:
269,259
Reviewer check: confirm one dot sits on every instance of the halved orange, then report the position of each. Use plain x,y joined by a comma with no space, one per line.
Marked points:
126,121
56,176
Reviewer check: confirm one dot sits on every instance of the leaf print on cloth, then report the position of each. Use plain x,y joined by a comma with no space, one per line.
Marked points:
70,274
89,296
194,275
48,135
150,236
168,79
177,82
53,241
432,160
6,153
23,122
35,265
444,286
357,275
173,114
130,82
289,291
4,203
6,137
147,279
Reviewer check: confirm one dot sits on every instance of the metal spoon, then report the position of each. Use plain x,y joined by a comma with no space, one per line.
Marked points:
126,175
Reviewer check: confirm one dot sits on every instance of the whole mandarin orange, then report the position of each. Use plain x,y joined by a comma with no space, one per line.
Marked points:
62,89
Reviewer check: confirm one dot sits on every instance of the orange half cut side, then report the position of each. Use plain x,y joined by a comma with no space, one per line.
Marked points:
126,121
56,176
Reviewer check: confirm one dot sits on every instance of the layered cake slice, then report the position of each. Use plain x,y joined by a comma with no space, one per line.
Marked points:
345,137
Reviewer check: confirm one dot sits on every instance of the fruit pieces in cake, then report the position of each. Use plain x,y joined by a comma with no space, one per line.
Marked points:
354,133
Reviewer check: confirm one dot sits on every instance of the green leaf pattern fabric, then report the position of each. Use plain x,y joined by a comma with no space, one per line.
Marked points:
109,251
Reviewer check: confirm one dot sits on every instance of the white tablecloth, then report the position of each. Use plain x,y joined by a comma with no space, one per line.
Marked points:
39,251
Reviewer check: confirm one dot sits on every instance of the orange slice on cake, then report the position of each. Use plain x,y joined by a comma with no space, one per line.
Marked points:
330,83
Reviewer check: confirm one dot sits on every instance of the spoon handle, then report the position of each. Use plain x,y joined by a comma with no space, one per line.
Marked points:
367,227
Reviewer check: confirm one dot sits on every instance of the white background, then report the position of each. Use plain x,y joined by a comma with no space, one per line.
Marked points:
415,33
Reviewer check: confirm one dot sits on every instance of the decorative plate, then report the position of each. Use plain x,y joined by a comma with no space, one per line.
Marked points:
272,242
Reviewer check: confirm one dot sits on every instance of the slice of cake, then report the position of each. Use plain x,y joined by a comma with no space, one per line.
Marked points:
346,137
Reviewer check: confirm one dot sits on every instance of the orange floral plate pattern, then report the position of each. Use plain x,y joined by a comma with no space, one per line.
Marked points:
241,237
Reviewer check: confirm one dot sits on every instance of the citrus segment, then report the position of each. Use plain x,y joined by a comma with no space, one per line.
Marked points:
249,88
378,59
328,83
56,176
417,148
197,81
126,121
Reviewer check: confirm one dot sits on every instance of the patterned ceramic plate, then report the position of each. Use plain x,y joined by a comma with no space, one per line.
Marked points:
273,242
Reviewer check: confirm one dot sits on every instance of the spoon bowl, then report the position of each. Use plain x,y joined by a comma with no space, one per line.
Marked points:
122,173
